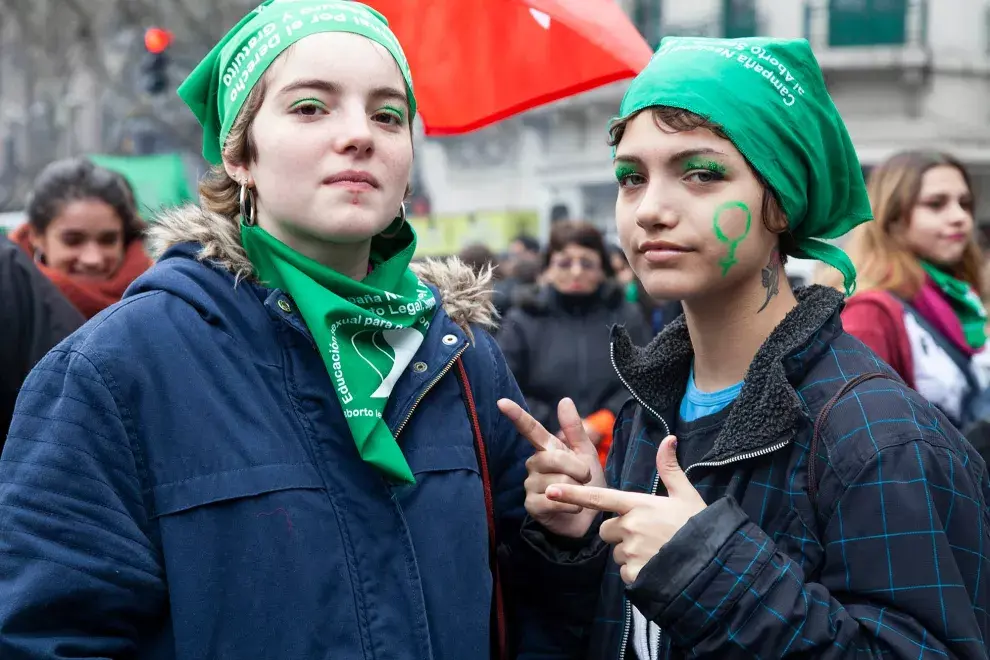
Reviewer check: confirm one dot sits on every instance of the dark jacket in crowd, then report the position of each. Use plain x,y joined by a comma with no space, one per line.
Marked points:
558,346
181,483
890,562
34,317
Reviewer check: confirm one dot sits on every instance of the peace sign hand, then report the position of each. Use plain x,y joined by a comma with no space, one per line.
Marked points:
645,522
571,460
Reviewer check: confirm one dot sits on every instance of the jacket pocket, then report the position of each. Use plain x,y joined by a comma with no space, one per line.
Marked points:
178,496
442,459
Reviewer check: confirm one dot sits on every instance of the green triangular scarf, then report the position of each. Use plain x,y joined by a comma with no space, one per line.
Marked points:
367,332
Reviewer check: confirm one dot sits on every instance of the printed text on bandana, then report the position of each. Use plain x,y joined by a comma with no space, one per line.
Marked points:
279,34
753,58
388,345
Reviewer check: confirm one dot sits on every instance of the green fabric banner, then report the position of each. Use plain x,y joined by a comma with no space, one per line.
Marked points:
158,180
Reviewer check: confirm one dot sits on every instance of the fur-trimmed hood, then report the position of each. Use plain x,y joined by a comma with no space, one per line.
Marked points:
465,295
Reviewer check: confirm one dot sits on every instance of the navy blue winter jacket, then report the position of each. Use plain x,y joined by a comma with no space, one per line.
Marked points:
180,483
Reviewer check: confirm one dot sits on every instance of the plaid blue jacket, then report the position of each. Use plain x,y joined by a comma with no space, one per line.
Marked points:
890,562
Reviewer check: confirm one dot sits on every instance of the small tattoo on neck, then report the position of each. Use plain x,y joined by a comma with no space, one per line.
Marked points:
771,278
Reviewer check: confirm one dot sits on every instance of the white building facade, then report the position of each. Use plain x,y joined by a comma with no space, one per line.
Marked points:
903,74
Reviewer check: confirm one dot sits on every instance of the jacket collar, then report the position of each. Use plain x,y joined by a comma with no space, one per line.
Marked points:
465,295
768,407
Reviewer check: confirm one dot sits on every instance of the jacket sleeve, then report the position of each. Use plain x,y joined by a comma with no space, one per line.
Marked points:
512,342
37,318
735,595
566,574
79,573
533,603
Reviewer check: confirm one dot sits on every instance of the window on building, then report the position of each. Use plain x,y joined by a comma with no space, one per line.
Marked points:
867,22
646,16
739,19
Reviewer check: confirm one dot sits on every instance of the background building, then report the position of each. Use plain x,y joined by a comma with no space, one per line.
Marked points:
903,73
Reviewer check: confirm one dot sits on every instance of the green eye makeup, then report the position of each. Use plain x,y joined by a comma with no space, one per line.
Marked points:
704,164
307,101
623,170
398,113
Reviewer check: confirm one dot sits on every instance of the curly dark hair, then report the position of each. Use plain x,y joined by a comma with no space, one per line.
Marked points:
76,179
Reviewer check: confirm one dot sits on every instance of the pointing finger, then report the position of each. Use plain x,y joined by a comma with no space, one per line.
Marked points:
528,427
599,499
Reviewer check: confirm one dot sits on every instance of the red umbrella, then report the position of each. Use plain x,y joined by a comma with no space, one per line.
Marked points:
475,62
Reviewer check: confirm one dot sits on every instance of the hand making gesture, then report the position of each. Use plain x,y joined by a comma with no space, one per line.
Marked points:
644,522
573,461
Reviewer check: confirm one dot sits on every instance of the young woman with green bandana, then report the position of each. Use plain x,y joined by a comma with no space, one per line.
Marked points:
918,303
283,442
773,490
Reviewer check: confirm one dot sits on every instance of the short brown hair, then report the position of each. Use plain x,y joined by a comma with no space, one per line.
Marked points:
582,234
676,120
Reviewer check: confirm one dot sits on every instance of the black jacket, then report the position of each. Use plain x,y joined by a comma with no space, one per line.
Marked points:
890,562
558,346
34,316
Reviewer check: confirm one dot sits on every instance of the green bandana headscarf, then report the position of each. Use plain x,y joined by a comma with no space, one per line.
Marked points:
965,303
769,97
219,85
367,332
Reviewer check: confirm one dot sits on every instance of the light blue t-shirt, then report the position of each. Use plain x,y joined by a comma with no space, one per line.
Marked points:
697,404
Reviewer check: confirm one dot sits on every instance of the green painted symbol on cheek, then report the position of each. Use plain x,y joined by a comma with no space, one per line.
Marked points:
733,242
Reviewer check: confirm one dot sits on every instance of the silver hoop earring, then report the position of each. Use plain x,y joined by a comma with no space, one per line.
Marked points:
249,211
401,218
39,256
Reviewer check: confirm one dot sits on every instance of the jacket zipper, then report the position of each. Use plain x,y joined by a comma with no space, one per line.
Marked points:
740,457
656,484
622,379
627,626
627,615
428,388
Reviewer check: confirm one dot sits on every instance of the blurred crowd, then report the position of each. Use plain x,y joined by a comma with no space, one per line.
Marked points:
81,247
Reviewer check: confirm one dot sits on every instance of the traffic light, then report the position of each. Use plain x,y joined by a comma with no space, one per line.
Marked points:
154,66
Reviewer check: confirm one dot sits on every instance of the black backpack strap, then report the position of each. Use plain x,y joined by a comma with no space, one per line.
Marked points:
820,424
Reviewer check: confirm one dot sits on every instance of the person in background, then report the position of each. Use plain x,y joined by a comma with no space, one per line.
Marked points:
520,266
84,233
284,441
527,272
36,317
555,338
484,263
918,301
524,246
624,275
478,258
